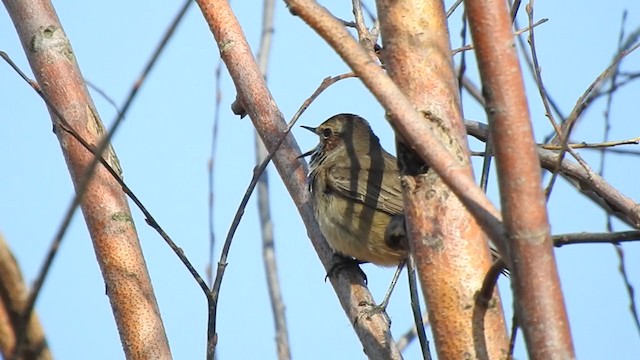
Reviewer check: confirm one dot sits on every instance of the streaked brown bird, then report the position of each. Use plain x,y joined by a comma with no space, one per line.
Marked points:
356,193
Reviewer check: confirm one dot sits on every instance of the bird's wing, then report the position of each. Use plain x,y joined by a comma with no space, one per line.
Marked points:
369,190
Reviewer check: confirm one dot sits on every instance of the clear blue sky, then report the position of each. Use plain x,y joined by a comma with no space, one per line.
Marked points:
164,147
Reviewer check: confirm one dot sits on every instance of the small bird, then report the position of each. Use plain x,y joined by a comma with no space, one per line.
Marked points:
356,193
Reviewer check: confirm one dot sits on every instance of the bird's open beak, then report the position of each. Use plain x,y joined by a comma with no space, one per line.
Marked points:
308,153
312,129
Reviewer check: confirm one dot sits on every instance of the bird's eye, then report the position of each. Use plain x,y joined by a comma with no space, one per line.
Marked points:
326,133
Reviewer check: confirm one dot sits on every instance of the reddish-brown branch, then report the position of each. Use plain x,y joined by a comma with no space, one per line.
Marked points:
104,205
449,247
584,179
257,101
539,301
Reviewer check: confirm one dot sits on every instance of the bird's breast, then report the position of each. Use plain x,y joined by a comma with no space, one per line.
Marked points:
351,228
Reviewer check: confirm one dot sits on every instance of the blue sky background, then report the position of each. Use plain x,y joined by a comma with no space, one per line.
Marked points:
164,147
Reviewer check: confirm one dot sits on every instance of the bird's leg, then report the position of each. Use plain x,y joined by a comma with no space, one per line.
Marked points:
341,262
381,309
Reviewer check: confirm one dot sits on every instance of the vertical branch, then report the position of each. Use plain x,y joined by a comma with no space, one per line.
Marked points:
622,268
268,248
211,166
104,205
539,301
266,117
449,247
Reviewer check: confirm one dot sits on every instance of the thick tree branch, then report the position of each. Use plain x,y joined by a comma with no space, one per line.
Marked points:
449,247
539,302
104,205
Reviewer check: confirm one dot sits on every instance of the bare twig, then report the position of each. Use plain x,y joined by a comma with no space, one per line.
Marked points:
106,96
453,8
177,19
518,32
630,45
543,94
514,9
417,313
622,268
211,167
473,90
268,248
596,238
601,145
407,338
583,179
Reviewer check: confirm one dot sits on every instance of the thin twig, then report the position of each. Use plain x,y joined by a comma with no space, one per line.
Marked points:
102,93
602,145
630,45
586,99
543,95
622,268
211,167
584,180
527,59
417,313
453,7
473,90
266,226
514,333
361,26
366,38
407,338
133,92
596,238
518,32
514,9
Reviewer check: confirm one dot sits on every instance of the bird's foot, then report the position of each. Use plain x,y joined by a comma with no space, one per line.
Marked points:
341,262
370,310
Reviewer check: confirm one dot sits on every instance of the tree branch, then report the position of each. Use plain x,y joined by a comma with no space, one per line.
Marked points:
104,205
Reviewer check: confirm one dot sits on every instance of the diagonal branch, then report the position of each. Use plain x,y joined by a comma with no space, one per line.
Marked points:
585,180
104,205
